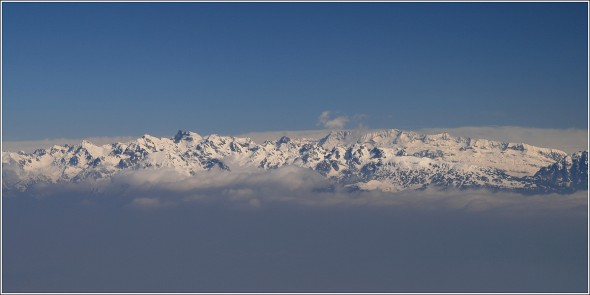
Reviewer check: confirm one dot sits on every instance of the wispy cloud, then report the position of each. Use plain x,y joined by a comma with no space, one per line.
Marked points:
327,121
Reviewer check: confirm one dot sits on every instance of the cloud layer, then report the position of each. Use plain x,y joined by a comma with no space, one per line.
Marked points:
151,189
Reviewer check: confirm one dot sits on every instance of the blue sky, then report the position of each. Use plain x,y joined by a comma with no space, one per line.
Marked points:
106,69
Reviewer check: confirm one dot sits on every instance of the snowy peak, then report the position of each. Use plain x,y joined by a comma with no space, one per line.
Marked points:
187,136
391,136
283,140
337,138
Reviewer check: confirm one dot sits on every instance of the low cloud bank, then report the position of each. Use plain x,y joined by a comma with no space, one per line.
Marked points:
160,231
150,189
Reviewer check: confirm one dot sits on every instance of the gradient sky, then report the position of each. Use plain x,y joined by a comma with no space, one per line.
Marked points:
106,69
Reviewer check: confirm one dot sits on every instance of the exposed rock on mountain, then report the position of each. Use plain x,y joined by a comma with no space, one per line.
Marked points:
567,175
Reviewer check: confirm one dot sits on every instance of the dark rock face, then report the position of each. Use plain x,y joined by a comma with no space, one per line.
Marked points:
215,163
567,175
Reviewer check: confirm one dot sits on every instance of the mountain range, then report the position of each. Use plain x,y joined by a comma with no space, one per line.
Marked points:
388,160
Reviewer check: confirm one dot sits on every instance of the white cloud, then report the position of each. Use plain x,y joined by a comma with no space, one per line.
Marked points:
324,116
326,121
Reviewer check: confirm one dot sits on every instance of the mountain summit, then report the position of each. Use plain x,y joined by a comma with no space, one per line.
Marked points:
388,160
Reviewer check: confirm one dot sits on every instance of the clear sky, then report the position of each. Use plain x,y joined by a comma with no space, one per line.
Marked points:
106,69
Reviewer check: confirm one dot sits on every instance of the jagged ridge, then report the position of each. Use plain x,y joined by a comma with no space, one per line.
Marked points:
390,160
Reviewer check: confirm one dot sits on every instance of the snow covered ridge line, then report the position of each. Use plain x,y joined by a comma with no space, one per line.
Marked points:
387,160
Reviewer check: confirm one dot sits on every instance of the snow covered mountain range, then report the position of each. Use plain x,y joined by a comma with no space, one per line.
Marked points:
388,160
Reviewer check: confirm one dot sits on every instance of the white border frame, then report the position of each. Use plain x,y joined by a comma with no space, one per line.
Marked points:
272,1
